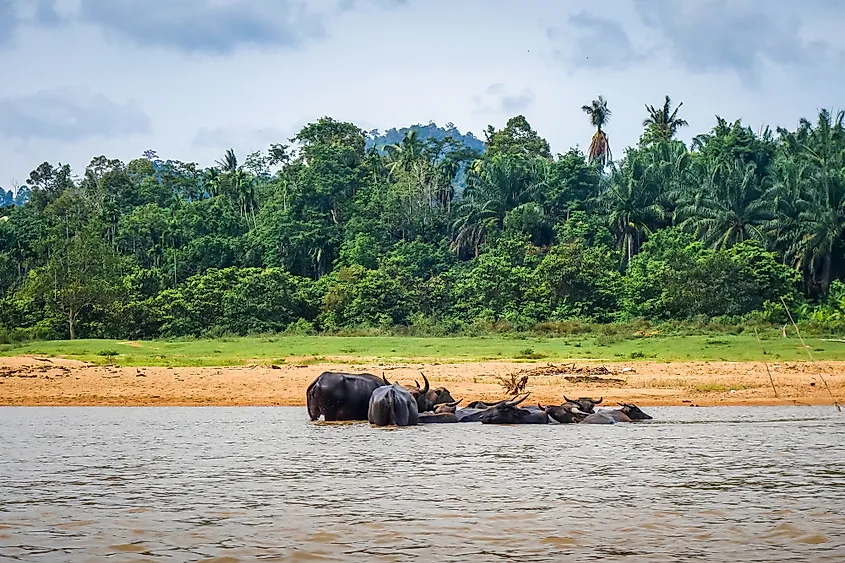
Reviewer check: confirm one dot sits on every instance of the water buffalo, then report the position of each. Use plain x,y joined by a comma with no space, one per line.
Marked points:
469,415
341,396
628,413
392,406
507,412
565,414
584,404
599,418
437,418
427,398
633,411
447,407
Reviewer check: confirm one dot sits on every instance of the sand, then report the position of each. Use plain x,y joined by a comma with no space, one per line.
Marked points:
30,381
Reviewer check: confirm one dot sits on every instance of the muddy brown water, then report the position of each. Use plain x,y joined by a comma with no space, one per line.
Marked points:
266,484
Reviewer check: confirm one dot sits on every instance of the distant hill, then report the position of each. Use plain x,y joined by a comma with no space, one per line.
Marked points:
430,131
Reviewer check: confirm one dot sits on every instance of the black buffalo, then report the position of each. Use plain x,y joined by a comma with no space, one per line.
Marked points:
628,413
634,412
447,407
584,404
565,413
392,406
341,396
428,398
437,418
480,405
507,412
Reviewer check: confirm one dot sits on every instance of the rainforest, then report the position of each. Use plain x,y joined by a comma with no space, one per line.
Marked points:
425,231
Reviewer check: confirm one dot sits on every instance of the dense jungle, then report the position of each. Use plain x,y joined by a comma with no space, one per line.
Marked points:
428,231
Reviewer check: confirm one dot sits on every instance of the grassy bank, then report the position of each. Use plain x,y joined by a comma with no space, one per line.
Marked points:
316,349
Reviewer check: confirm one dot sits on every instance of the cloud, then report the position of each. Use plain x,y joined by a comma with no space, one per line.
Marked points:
45,13
209,26
496,99
69,115
8,19
596,43
738,36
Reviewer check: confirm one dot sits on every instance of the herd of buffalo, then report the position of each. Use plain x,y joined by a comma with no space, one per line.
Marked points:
363,396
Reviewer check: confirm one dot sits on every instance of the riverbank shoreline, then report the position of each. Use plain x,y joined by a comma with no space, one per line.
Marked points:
41,381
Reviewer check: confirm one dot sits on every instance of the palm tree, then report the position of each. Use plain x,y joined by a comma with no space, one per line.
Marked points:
494,187
661,124
403,155
728,207
229,162
600,144
812,226
630,204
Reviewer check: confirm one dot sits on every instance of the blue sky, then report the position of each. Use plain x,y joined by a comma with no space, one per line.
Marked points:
191,78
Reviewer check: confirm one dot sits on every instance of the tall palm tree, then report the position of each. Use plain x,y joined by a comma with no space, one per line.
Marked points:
662,124
600,144
229,162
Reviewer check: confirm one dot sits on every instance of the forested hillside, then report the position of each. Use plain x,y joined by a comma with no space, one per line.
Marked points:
330,234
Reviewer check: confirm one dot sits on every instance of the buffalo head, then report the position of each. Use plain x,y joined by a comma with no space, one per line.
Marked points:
508,412
584,404
447,407
565,414
633,412
427,398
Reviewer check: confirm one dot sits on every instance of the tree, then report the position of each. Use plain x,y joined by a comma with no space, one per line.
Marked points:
80,274
727,207
812,226
600,144
517,138
662,124
630,204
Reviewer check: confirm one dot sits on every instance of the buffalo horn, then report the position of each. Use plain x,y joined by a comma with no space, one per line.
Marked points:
426,388
568,400
384,378
417,383
515,402
599,401
454,403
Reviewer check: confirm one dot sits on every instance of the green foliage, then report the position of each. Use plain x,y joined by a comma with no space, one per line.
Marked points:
427,231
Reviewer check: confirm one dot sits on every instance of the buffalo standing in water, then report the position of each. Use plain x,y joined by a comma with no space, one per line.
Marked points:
341,396
507,412
392,406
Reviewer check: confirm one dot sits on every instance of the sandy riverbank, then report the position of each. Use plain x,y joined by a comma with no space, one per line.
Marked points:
41,381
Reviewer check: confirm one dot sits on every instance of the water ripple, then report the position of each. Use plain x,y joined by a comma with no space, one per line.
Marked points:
244,484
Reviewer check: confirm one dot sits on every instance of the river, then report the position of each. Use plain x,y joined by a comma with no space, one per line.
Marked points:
266,484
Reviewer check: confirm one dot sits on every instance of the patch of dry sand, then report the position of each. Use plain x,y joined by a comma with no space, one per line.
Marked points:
43,381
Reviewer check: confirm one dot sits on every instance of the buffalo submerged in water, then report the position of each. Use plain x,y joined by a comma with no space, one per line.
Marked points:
348,396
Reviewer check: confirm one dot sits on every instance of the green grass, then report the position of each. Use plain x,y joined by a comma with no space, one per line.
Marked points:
316,349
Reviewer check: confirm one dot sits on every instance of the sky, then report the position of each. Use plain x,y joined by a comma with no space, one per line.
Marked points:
192,78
